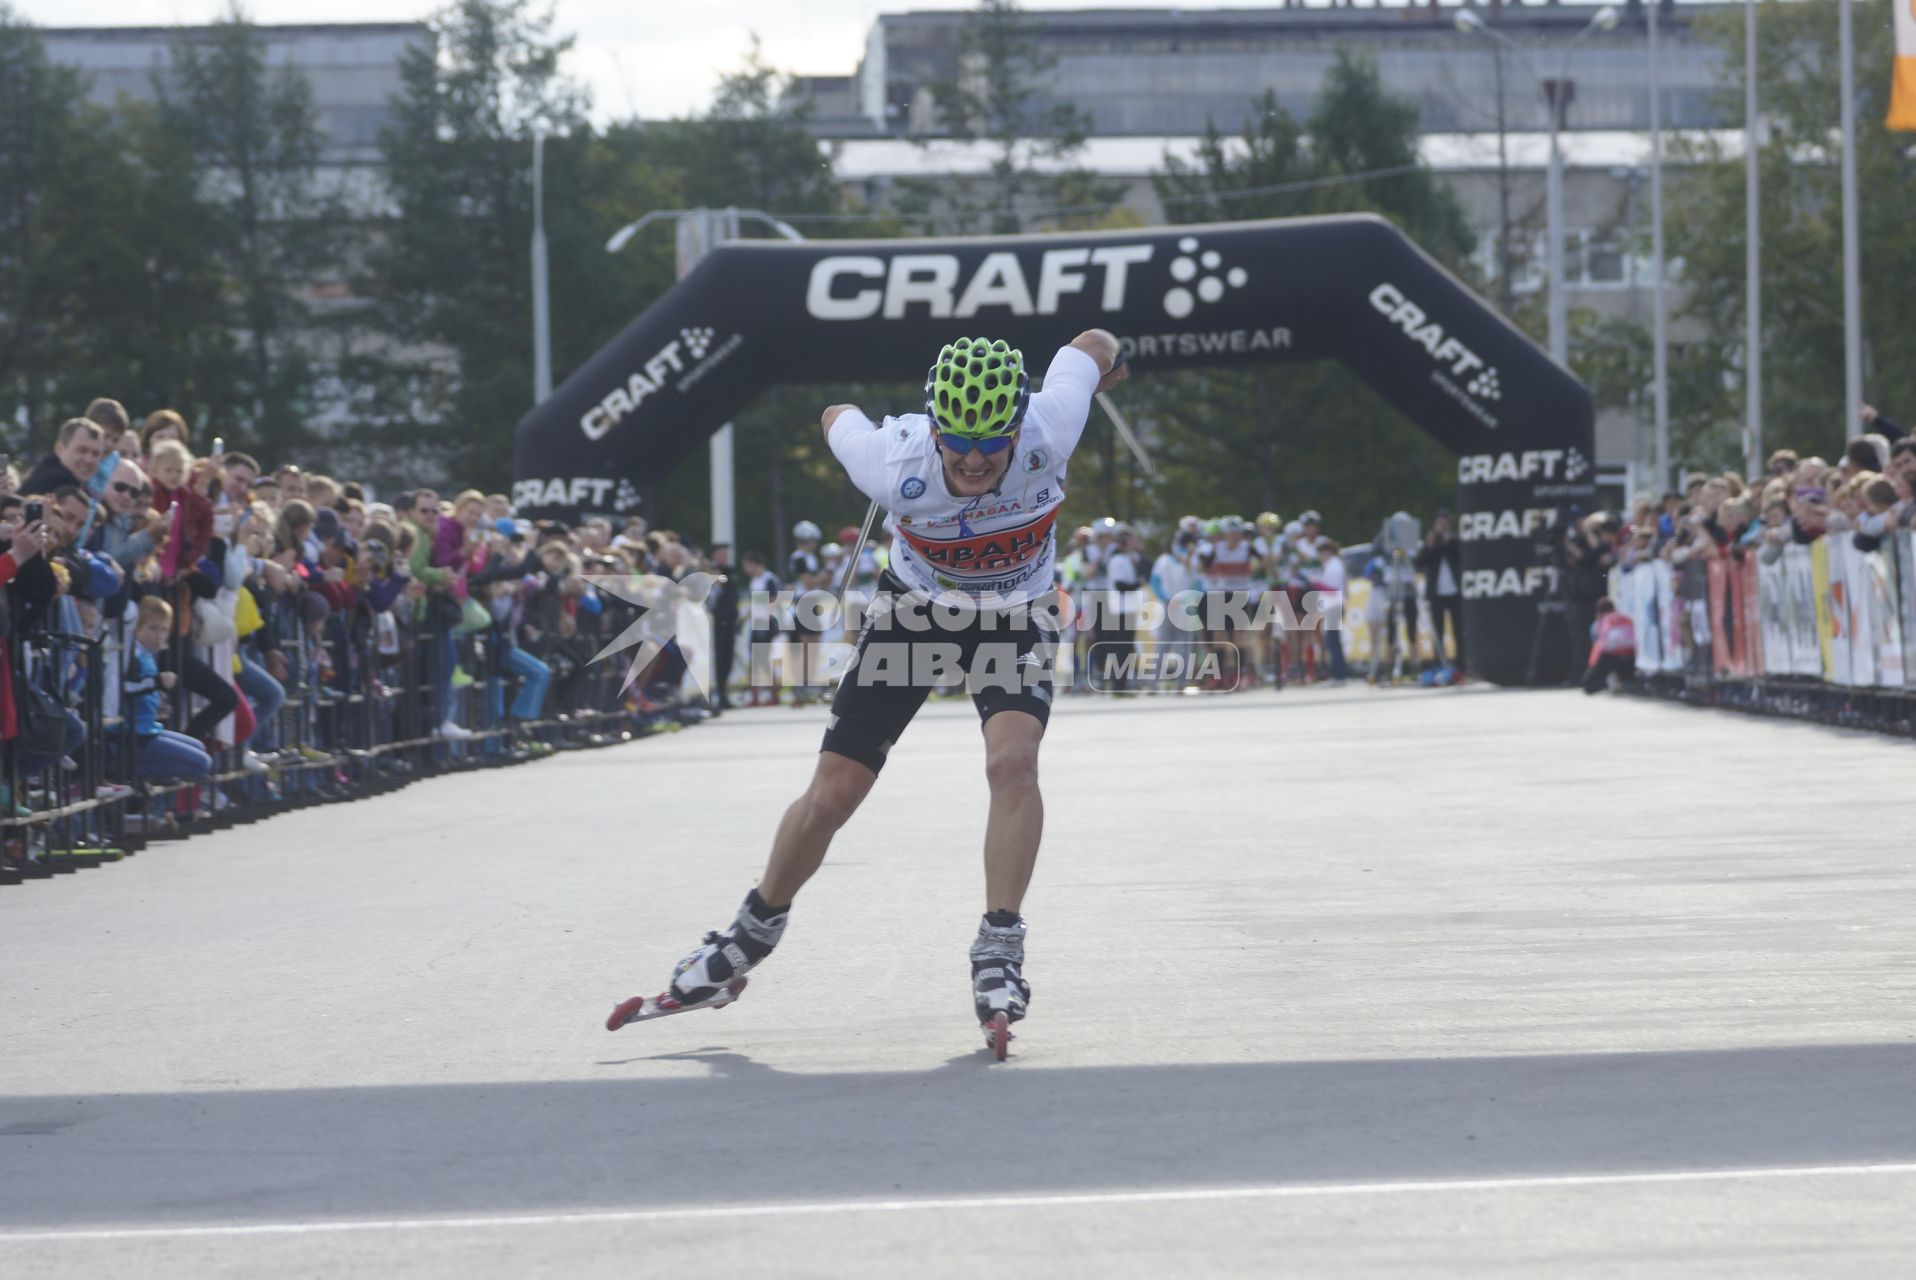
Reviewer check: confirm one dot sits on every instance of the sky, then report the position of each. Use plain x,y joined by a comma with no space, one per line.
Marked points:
638,57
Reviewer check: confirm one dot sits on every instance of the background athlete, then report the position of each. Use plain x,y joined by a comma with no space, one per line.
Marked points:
973,487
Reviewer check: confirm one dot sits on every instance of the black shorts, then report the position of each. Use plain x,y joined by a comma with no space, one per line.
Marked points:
905,650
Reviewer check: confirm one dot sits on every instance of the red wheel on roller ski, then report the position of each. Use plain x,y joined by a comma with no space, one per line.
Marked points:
1000,1036
623,1011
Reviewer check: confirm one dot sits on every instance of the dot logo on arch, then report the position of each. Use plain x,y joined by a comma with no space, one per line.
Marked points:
1200,276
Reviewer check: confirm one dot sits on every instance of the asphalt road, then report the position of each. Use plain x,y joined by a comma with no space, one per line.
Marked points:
1339,983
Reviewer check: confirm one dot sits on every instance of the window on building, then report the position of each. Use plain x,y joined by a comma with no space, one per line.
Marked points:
1592,259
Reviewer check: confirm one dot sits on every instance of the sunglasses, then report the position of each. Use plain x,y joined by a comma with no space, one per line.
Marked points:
962,445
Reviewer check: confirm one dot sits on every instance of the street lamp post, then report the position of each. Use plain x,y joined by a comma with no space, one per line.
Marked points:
1660,315
700,230
1852,252
1604,19
541,293
1752,257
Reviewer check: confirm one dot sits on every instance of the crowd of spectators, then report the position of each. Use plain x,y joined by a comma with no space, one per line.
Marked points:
190,632
1864,495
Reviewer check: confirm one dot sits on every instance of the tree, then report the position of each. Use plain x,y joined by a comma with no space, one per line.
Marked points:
1292,436
40,109
1802,322
747,149
145,307
1361,133
996,98
108,280
251,139
451,274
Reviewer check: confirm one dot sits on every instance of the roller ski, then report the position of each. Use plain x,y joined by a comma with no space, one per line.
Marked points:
999,993
713,976
665,1004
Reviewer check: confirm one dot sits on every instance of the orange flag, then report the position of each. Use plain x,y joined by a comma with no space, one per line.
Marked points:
1902,99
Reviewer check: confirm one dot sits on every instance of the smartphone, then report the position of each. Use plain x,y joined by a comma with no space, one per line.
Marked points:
35,512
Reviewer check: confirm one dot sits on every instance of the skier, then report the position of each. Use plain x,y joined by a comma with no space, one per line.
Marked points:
973,486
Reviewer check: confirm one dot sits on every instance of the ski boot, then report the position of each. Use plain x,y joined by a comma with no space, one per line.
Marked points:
712,976
999,992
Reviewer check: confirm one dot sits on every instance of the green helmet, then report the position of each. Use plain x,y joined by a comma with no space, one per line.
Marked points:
977,388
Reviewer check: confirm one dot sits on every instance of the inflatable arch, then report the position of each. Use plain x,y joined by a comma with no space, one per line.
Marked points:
1352,288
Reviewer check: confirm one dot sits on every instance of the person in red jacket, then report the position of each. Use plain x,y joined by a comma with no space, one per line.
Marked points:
1613,647
179,481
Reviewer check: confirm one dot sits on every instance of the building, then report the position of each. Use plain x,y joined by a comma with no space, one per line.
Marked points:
1172,71
353,69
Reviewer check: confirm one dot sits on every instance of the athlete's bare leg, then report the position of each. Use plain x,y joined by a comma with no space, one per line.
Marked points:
839,785
1016,823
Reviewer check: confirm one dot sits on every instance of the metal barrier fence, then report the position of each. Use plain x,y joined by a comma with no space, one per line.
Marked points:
359,705
1824,630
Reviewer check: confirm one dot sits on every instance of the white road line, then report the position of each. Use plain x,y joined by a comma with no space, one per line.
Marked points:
1195,1195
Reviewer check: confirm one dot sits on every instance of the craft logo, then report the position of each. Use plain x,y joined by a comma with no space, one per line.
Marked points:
581,493
1531,464
584,492
1199,277
1487,526
680,363
1494,584
852,286
1454,360
856,286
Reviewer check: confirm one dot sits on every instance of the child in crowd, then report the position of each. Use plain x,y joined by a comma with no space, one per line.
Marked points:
1878,516
1613,647
160,755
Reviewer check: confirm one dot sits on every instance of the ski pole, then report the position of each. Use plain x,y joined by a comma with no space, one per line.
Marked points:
851,562
1125,433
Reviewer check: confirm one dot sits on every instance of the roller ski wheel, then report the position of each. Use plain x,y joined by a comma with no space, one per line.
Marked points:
998,1035
646,1008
